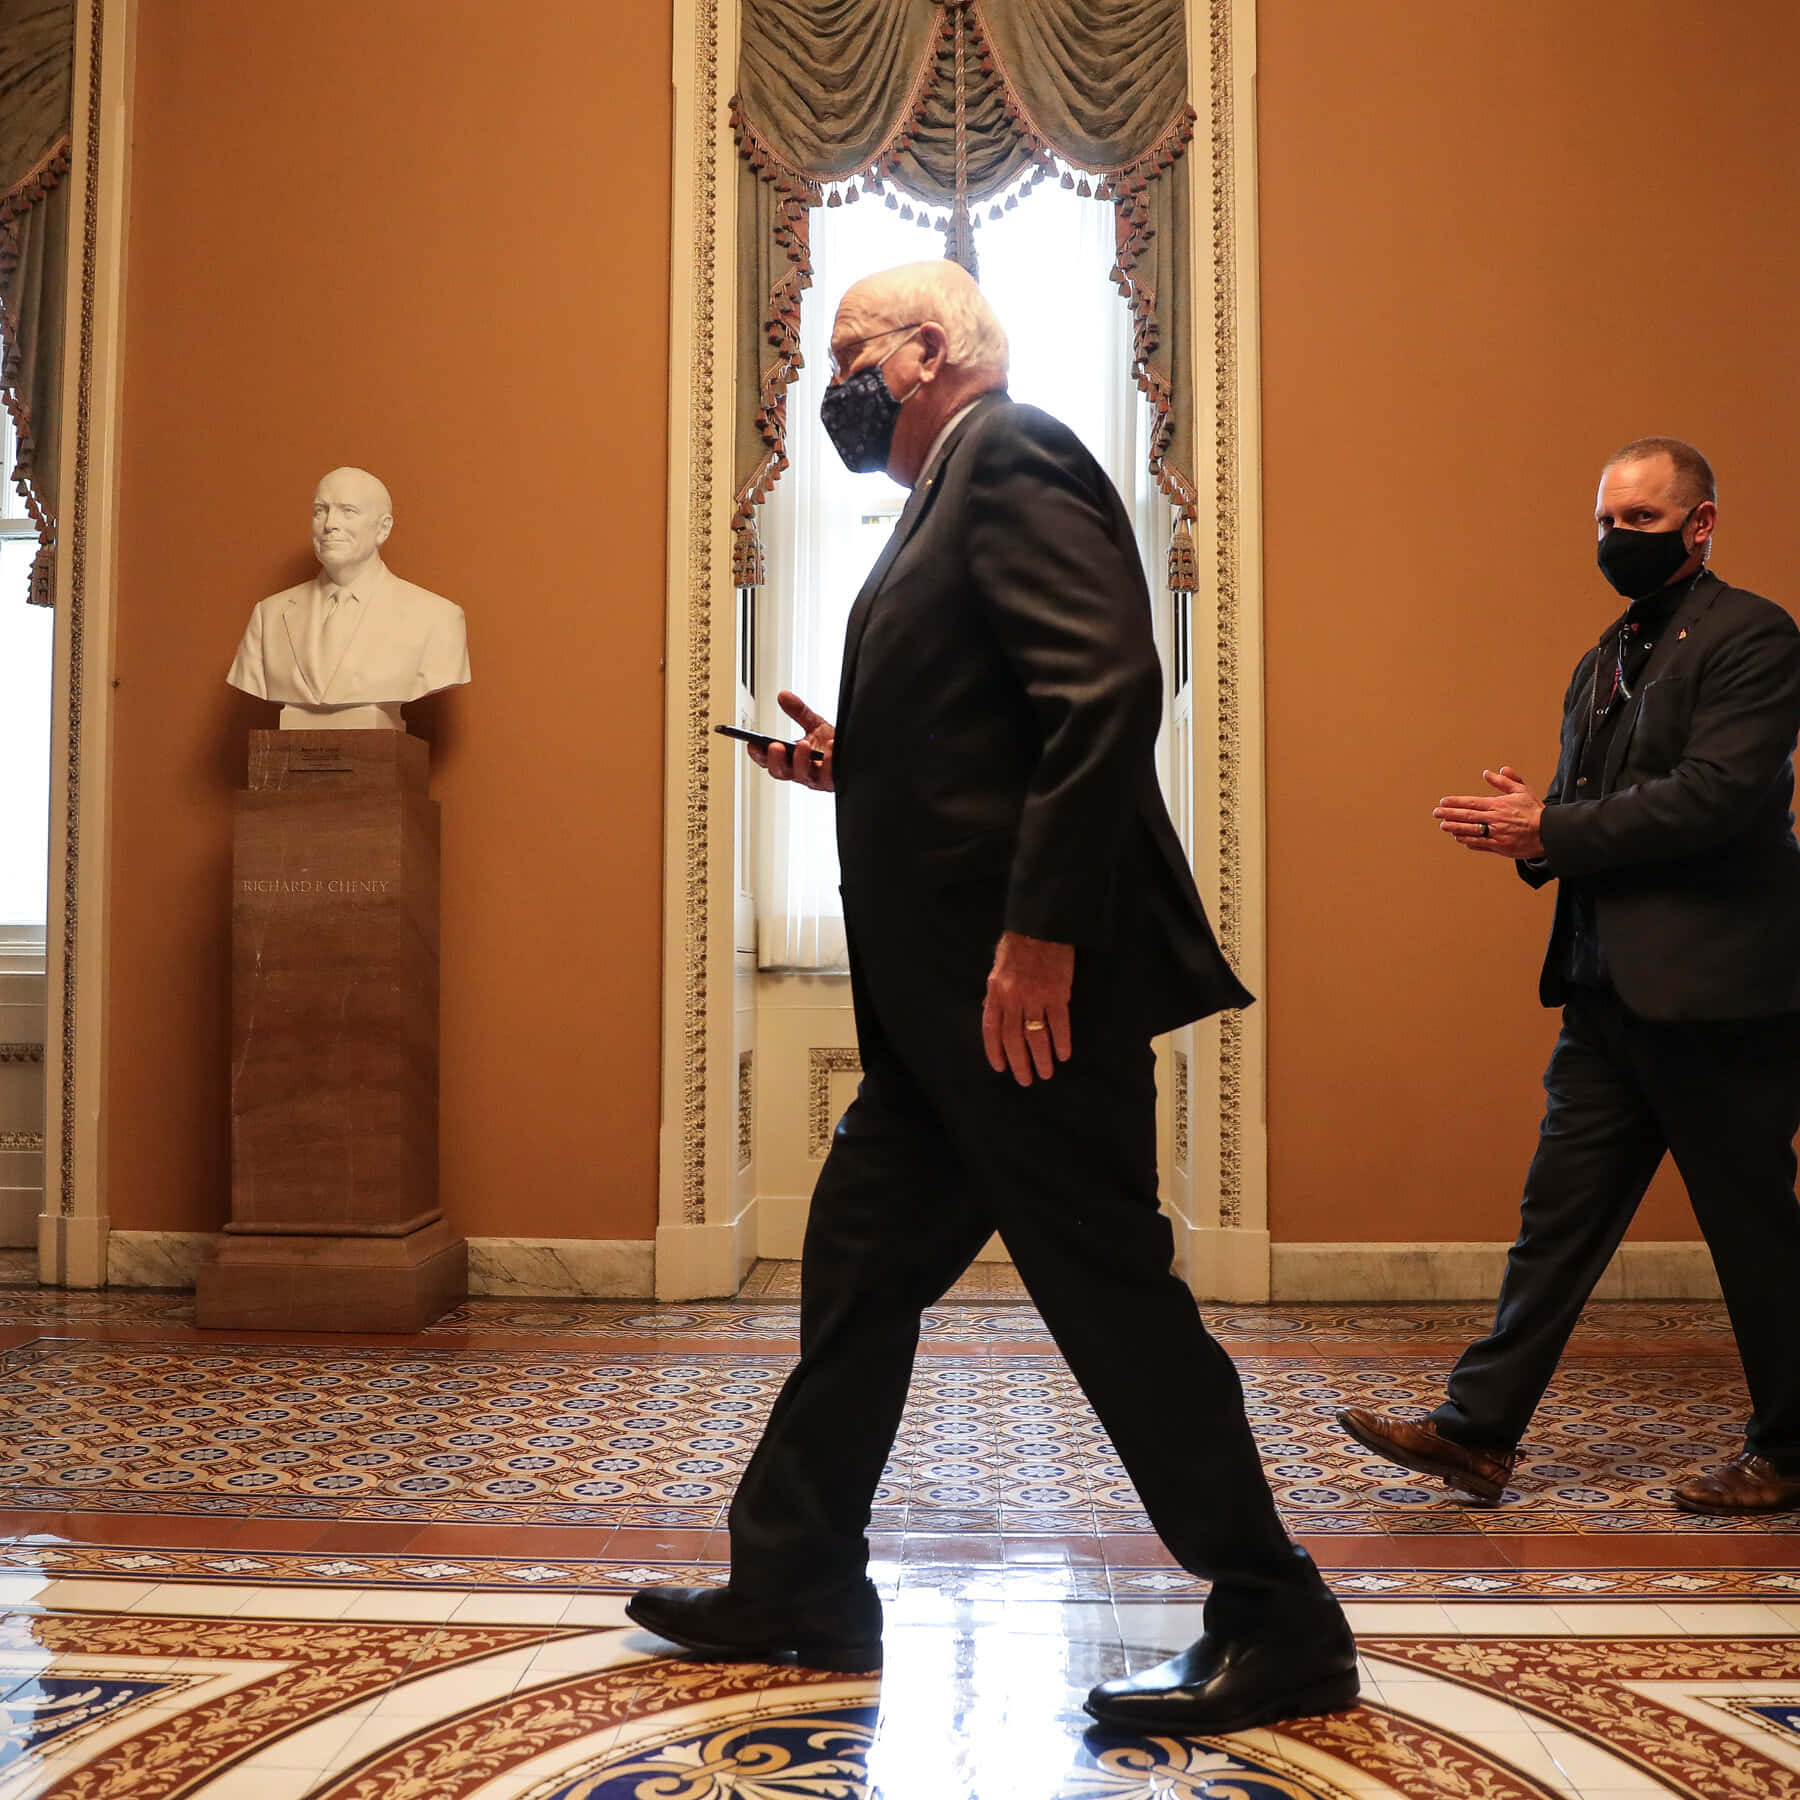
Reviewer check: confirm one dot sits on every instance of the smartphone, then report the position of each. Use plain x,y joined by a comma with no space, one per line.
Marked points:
762,740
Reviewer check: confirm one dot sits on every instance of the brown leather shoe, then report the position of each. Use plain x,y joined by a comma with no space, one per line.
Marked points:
1749,1484
1414,1445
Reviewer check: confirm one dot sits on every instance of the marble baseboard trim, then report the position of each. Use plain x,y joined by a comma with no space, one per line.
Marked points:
1647,1271
158,1259
528,1268
563,1268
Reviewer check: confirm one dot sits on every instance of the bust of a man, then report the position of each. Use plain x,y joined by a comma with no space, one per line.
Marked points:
349,646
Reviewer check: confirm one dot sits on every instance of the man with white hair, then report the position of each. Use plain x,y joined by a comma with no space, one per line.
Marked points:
349,646
1021,922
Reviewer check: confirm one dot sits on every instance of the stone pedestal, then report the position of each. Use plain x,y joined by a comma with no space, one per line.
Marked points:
334,1055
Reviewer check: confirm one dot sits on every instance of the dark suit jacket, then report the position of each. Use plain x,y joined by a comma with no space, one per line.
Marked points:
1687,846
997,722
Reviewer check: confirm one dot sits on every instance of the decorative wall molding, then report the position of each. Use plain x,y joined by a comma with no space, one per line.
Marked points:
821,1064
26,1141
1222,118
1422,1271
696,748
72,589
697,1172
72,1226
701,1105
21,1053
746,1109
1179,1107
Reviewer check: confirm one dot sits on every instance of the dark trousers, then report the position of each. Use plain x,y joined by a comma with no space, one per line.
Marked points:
1722,1098
935,1153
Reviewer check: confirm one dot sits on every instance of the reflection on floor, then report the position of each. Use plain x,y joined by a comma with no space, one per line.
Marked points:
394,1568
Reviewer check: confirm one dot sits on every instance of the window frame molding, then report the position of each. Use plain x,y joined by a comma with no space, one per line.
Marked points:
73,1227
706,1228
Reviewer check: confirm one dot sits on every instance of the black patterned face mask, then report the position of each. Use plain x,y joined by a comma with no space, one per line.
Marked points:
859,416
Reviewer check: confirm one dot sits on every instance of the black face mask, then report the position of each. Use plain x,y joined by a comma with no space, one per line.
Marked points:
859,416
1637,563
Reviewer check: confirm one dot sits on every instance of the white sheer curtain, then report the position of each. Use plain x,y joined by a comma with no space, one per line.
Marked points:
26,635
1044,266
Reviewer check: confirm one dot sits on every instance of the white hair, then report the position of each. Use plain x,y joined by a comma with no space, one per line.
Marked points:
945,293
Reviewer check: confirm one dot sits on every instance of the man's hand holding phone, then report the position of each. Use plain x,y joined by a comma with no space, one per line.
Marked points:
793,763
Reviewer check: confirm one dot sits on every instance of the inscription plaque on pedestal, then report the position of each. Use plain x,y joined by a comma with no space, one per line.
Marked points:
334,1057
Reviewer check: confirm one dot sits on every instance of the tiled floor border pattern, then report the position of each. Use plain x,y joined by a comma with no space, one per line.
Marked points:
1390,1328
1585,1584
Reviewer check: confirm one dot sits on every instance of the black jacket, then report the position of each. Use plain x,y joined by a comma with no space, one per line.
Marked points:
1687,848
998,714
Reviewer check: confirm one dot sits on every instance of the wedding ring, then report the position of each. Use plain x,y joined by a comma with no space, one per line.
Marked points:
1484,829
1034,1024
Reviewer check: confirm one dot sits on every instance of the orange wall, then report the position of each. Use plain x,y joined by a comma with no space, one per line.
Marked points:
434,241
1495,245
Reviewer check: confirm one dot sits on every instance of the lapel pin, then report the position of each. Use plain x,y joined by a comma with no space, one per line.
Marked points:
1681,634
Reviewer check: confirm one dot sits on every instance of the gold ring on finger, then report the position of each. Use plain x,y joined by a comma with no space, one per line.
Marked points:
1034,1024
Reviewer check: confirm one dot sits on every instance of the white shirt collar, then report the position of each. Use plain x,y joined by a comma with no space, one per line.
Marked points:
950,424
324,588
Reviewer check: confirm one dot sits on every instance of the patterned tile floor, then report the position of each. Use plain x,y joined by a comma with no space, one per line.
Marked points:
234,1565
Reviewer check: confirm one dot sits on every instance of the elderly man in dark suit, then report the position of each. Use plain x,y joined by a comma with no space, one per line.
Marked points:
1675,955
1021,922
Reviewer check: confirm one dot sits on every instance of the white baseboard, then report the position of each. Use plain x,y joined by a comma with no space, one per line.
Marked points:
1227,1264
1647,1271
529,1268
72,1252
781,1225
1219,1264
706,1262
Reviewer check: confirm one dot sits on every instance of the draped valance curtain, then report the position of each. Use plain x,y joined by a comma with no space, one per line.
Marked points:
37,39
952,110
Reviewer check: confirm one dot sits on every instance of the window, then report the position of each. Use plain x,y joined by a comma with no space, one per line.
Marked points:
26,635
1045,268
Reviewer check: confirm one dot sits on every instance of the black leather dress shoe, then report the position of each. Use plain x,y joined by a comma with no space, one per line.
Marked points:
844,1634
1231,1684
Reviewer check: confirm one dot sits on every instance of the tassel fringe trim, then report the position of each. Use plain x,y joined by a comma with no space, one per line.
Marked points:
25,194
1126,185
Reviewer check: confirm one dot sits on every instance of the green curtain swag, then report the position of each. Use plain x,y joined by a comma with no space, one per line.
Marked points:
948,111
37,50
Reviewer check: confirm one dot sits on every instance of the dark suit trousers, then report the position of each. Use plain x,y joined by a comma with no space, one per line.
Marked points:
937,1151
1723,1098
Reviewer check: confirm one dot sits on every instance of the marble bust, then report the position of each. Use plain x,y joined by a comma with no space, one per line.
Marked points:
349,646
